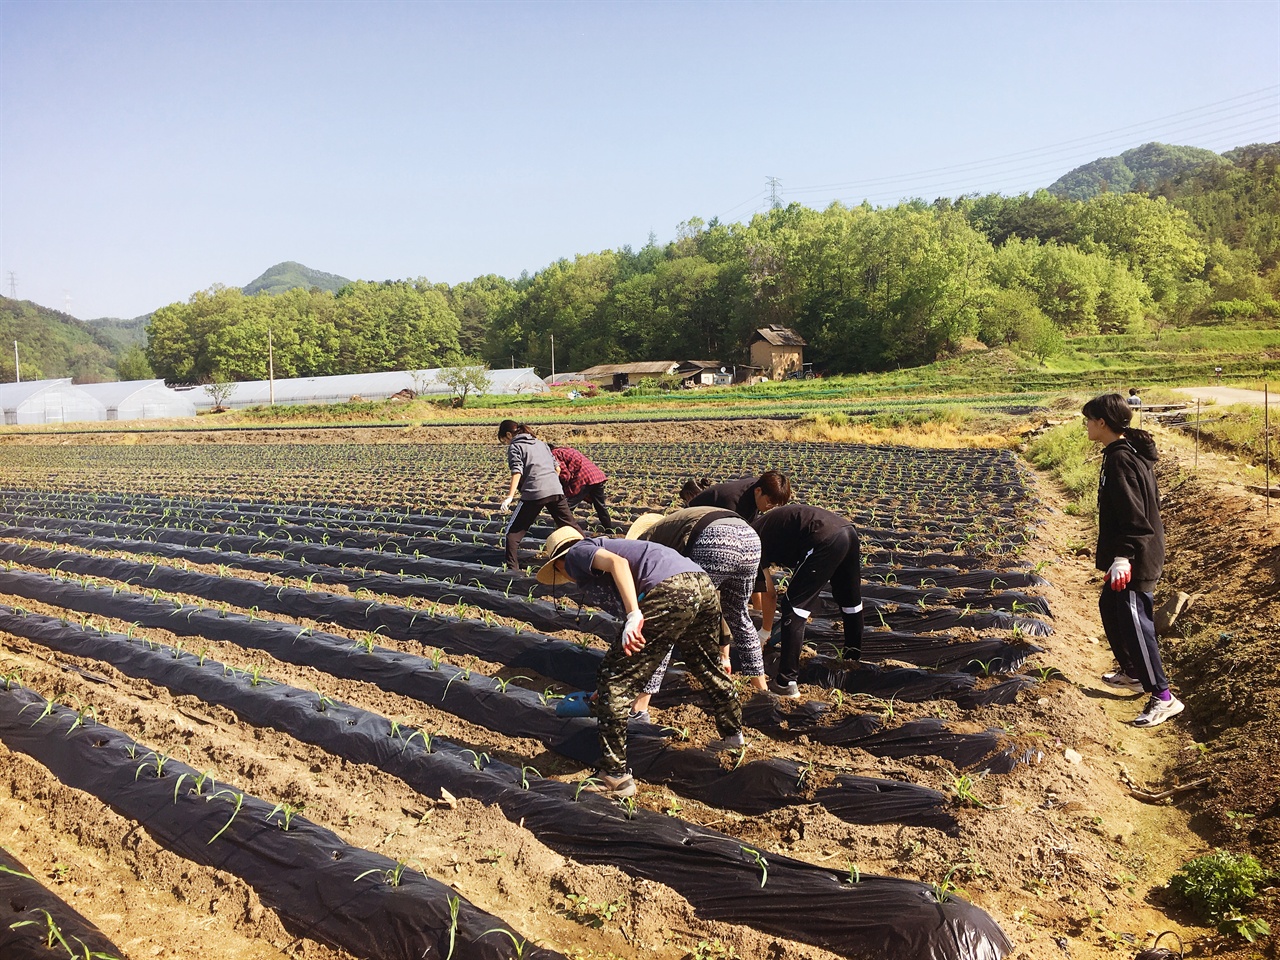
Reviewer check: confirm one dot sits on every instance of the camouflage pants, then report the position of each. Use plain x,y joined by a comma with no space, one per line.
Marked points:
682,611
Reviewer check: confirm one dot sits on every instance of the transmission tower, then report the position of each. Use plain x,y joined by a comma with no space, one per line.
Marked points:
13,286
775,186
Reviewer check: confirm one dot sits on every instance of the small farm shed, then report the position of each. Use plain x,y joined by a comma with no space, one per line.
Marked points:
777,351
366,386
48,401
619,376
140,400
703,373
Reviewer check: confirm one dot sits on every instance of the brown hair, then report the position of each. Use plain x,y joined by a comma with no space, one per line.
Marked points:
774,486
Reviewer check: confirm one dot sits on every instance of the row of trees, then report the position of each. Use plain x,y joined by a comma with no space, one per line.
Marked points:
869,288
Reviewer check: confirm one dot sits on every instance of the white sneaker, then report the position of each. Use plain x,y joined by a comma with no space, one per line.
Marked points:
1157,711
1118,678
734,741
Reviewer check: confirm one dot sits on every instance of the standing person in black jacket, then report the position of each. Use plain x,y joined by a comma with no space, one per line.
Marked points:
1131,551
821,547
747,496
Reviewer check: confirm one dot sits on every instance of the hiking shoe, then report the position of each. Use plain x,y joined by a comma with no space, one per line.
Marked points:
638,716
619,786
1118,678
788,691
1157,711
734,741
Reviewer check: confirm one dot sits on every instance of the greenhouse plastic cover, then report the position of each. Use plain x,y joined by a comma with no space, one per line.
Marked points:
48,401
140,400
367,386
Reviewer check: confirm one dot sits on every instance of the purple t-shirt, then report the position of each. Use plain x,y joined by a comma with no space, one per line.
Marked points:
650,563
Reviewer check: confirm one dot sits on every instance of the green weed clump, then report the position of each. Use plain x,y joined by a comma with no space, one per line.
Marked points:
1217,886
1065,451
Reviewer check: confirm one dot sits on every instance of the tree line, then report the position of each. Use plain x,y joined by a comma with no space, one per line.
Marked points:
869,288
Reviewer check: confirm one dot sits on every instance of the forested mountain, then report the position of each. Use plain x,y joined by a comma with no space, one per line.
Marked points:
869,288
1140,169
52,344
290,275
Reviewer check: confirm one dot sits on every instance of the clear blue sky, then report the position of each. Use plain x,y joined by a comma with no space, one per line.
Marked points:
149,150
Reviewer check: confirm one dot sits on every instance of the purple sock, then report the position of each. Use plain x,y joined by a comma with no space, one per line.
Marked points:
1165,694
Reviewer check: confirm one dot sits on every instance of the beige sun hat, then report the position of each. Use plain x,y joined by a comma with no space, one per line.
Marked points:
643,524
557,545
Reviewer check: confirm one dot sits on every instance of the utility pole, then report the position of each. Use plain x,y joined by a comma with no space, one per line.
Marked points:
271,368
775,202
17,371
553,357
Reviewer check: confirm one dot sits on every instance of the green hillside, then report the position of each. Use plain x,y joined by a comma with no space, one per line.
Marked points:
290,275
53,344
1140,169
121,335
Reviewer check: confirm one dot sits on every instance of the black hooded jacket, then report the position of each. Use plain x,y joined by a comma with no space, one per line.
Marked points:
1129,510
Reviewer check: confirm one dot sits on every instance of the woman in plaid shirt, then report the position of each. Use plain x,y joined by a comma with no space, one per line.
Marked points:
582,480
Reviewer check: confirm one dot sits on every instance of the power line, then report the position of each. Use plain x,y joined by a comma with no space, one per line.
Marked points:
775,203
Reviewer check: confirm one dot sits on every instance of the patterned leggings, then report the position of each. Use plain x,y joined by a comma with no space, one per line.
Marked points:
730,555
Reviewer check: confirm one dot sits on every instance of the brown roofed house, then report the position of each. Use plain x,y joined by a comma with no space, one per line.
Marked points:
777,351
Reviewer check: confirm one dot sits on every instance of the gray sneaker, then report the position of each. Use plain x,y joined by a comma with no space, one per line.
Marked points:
788,691
1157,711
619,787
734,741
1118,678
638,716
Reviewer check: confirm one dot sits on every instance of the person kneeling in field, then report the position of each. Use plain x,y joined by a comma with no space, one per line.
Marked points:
728,549
668,601
821,547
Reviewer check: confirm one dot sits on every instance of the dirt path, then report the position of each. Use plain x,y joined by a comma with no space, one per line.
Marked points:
1230,395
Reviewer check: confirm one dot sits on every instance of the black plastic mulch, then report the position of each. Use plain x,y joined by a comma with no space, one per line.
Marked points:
28,908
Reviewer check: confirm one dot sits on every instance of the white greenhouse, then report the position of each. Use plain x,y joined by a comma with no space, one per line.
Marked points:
48,401
140,400
365,386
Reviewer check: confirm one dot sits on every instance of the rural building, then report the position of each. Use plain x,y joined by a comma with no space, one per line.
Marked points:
140,400
48,401
704,373
366,386
619,376
777,351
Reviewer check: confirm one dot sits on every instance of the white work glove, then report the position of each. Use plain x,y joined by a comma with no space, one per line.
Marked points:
632,633
764,635
505,506
1120,573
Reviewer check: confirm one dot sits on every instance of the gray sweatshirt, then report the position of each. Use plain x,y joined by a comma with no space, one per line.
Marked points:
531,458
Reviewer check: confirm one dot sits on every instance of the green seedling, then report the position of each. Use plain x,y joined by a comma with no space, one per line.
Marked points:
365,643
323,702
987,667
463,675
153,759
287,812
680,733
238,798
837,697
760,862
256,678
198,781
945,890
392,876
478,759
16,873
82,716
455,903
519,945
52,932
628,805
502,683
10,680
855,875
583,784
524,776
48,708
964,787
805,770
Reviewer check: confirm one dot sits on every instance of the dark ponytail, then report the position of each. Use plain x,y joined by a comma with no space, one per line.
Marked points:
508,428
1112,410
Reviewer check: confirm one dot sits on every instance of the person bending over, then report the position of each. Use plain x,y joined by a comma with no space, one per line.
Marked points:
1131,551
533,476
668,602
727,548
582,480
820,547
747,496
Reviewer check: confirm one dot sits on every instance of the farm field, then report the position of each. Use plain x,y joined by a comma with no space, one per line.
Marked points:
281,699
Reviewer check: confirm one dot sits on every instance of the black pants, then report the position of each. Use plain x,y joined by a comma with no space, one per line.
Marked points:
1131,631
523,519
594,493
837,561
